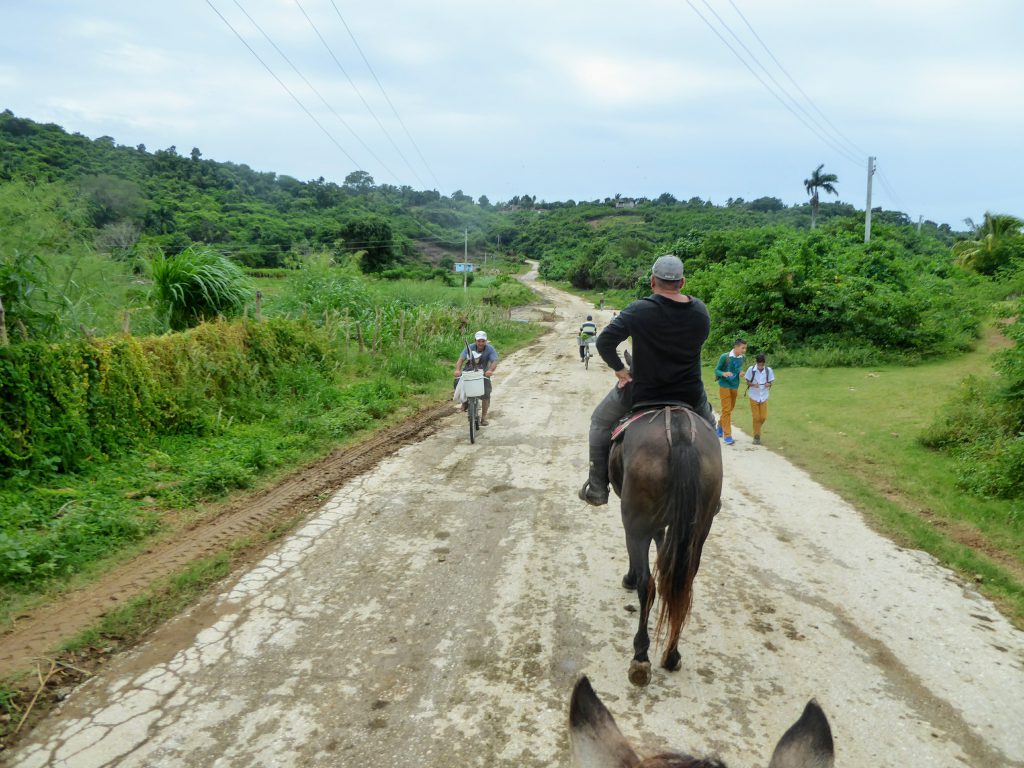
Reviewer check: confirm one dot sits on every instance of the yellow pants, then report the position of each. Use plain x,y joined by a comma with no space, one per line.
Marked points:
728,398
759,412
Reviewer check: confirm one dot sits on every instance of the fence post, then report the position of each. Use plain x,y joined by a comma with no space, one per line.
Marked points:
346,334
401,329
126,323
3,325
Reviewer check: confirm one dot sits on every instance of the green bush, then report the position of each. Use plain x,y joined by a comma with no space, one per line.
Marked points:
983,426
198,284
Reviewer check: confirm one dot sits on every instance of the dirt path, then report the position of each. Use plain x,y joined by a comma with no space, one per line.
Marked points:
437,610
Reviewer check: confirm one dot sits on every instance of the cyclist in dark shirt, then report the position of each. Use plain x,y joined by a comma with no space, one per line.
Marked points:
668,329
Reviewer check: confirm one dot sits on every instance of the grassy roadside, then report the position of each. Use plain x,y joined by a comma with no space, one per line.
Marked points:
855,431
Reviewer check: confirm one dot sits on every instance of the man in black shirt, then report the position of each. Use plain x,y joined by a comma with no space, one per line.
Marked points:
668,330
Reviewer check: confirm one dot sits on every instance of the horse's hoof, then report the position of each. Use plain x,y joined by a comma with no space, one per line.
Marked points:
673,661
629,582
639,673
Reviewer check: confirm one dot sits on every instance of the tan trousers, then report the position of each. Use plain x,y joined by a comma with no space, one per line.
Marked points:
728,400
759,412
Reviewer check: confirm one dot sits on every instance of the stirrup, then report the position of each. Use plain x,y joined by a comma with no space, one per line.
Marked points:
592,495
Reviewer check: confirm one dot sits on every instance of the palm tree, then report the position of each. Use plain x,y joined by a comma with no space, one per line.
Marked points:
818,181
982,254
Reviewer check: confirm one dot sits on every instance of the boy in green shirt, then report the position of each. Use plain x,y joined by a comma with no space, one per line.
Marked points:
728,373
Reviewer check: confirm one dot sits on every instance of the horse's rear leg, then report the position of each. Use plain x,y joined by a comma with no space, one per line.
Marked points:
629,581
640,666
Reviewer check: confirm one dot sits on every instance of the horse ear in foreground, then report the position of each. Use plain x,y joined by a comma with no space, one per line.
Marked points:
667,470
597,741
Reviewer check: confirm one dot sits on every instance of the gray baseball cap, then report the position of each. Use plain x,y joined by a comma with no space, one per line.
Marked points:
668,267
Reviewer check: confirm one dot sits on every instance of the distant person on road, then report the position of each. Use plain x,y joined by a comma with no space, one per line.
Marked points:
727,374
759,381
587,331
482,357
668,329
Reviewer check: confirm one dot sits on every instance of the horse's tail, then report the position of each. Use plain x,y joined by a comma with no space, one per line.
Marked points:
679,554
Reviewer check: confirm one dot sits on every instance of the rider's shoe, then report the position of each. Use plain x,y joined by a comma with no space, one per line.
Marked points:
718,429
729,440
593,495
484,422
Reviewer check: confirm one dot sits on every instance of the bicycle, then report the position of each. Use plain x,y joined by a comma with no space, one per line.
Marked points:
473,387
587,354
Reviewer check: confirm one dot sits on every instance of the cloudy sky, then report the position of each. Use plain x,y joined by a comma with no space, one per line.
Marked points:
559,99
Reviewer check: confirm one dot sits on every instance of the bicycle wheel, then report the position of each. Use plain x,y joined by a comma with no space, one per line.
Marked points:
472,419
586,358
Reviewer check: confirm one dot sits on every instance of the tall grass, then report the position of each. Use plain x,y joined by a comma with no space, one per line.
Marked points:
198,284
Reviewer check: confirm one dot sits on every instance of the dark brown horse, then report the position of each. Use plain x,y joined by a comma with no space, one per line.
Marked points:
667,470
597,741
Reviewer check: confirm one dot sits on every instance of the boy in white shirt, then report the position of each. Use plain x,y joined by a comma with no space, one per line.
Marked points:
759,381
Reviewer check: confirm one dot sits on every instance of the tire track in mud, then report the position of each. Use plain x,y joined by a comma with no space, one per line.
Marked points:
44,629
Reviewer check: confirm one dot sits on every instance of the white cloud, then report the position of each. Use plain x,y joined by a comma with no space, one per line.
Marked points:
624,81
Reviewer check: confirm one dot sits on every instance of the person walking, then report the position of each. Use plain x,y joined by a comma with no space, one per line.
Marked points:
668,329
727,374
759,378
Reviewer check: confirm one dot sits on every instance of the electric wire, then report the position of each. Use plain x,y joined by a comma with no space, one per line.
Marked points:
785,92
360,95
313,88
889,189
761,80
796,85
386,97
282,84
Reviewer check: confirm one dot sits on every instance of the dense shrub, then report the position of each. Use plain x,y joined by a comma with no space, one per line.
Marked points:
983,426
66,403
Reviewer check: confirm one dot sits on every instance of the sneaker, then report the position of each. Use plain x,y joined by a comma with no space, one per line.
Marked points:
484,422
718,429
729,440
757,439
592,495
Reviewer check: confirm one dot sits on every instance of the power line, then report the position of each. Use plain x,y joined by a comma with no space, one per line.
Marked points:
313,88
838,148
810,101
360,95
889,189
282,84
780,86
386,97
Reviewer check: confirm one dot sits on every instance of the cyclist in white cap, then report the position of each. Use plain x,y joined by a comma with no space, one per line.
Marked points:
482,357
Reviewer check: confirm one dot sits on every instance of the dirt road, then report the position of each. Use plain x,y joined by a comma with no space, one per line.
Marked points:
438,609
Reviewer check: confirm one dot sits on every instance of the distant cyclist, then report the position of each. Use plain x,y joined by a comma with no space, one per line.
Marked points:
587,332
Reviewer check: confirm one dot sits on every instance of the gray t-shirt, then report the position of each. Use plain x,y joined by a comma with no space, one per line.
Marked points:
481,360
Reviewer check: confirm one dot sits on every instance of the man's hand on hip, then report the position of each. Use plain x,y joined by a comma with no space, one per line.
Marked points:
623,376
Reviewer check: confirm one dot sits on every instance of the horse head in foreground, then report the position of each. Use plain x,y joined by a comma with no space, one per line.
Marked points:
667,470
597,741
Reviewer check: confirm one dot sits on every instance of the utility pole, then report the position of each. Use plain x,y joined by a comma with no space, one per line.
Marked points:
867,213
919,220
465,261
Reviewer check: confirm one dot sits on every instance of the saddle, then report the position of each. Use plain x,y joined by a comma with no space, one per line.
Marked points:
651,411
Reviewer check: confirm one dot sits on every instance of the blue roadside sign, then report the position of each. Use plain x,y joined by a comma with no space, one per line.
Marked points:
463,266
